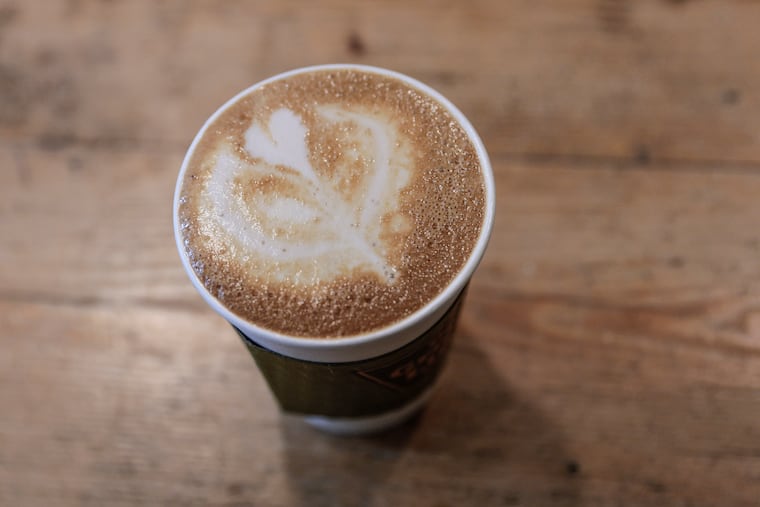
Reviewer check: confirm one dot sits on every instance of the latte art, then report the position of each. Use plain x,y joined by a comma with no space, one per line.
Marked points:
308,227
330,203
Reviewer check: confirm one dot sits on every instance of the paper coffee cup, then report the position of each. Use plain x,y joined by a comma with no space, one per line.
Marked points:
370,381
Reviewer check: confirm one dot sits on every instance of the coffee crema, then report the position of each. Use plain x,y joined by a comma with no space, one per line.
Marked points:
330,203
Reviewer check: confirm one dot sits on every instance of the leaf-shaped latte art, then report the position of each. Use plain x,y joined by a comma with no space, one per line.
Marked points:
305,226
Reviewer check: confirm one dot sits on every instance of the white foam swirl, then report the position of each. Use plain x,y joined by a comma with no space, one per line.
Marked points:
299,226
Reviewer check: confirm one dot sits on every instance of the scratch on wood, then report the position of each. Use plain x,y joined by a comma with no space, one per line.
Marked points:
613,15
356,45
515,309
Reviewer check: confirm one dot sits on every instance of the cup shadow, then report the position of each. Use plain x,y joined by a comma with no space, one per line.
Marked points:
476,443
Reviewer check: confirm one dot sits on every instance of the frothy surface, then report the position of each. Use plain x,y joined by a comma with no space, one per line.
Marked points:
331,203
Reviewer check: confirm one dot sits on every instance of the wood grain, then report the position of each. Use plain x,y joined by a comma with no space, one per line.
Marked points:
609,350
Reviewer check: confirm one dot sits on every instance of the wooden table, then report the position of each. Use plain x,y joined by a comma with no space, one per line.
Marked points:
609,351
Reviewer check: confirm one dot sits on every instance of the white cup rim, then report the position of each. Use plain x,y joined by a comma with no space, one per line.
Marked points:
313,348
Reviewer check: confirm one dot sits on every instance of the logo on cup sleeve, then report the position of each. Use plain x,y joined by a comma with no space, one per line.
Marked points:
421,365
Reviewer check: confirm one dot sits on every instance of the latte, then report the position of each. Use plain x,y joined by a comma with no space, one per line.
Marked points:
330,203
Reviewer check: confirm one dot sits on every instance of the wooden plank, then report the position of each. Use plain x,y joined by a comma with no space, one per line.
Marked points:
604,78
130,406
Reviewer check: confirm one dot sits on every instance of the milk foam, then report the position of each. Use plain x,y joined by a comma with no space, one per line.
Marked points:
330,203
303,225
